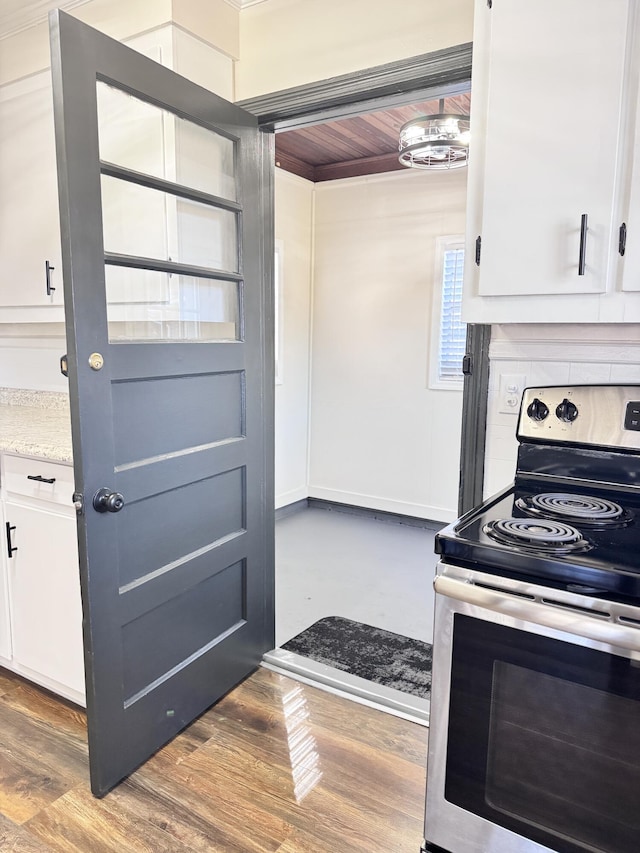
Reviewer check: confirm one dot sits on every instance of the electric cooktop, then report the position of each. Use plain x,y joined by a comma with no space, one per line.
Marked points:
572,516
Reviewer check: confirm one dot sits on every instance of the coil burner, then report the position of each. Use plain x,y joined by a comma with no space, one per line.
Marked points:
540,536
585,510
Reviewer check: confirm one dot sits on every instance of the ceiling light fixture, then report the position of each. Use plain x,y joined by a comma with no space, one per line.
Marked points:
439,141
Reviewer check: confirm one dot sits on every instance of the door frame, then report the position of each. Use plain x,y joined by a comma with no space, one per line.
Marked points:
438,74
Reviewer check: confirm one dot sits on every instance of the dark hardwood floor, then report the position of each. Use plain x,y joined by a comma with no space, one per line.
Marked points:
275,766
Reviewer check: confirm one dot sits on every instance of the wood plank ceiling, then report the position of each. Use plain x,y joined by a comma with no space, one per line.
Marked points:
363,145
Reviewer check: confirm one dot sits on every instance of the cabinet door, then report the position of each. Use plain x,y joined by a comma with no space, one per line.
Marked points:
5,620
553,72
630,263
29,219
44,589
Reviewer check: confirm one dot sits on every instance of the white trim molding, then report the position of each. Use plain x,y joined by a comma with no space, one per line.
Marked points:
615,343
18,15
243,4
430,513
436,355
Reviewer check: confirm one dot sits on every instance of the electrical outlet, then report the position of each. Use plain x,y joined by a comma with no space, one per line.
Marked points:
511,388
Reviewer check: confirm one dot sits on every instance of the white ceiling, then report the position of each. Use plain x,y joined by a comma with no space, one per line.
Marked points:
16,15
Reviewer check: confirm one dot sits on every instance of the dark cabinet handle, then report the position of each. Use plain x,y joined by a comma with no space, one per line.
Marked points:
622,239
10,547
582,259
478,250
48,269
40,479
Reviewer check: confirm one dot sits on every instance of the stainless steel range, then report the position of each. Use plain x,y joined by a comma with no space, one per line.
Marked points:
535,712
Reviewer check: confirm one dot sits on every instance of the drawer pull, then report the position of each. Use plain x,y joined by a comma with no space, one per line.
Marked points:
10,547
40,479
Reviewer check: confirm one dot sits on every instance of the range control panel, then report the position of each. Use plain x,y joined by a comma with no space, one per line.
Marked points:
596,415
632,417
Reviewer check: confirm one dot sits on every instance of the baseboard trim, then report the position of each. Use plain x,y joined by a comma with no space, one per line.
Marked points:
291,509
362,511
377,514
293,495
382,504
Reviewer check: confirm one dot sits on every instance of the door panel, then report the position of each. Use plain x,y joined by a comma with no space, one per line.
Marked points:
165,415
175,295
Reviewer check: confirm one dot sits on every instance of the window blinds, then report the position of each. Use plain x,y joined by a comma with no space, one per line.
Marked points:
453,332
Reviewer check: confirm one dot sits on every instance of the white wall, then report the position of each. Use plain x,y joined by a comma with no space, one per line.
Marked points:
215,22
380,438
293,230
32,360
551,355
287,43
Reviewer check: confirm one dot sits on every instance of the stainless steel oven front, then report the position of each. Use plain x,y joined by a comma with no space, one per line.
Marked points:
535,719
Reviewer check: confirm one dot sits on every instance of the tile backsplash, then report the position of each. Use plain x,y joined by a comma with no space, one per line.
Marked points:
550,355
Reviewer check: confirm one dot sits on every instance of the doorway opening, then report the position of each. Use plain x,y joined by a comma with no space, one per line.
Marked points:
367,428
439,74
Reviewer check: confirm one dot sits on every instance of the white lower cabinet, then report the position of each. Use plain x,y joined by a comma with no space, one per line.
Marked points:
43,583
5,618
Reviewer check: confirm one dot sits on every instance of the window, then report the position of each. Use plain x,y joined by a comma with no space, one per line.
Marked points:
448,332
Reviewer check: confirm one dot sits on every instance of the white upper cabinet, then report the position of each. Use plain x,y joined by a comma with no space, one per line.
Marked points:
629,267
544,184
29,215
29,220
555,82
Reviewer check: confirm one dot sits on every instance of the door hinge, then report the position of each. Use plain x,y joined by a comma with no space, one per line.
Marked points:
622,239
467,365
78,502
478,250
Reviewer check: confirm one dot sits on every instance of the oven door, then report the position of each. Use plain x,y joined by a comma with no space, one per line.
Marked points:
535,720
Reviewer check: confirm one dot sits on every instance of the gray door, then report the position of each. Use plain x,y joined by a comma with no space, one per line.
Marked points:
167,254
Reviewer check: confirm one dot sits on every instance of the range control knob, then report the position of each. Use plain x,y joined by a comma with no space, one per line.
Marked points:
537,410
567,411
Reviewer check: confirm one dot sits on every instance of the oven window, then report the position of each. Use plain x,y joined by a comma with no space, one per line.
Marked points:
544,738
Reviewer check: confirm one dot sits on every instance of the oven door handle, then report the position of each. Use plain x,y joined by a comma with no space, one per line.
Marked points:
558,615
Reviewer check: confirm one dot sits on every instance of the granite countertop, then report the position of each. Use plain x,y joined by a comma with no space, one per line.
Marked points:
35,423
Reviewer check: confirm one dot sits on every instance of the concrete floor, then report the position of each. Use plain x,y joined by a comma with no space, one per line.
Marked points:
331,563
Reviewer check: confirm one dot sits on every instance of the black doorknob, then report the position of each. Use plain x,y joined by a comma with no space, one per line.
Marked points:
106,501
